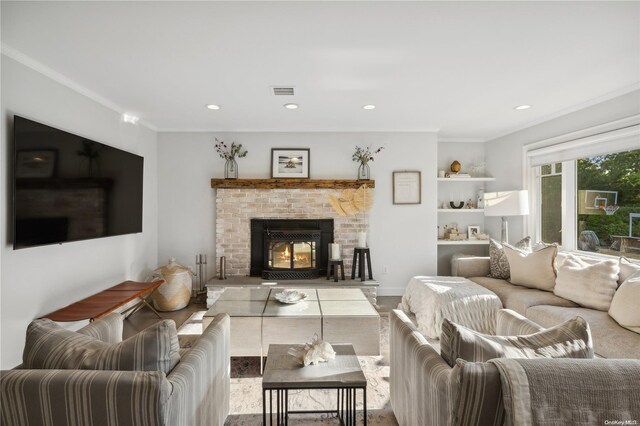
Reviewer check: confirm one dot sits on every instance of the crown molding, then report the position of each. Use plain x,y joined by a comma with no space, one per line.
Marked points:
178,130
453,139
39,67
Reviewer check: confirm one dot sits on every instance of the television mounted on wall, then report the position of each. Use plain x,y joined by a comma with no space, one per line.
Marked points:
69,188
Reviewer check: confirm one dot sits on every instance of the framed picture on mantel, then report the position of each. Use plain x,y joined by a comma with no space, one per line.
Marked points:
290,163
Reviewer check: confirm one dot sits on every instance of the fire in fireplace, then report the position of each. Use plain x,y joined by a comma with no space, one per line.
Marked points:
290,248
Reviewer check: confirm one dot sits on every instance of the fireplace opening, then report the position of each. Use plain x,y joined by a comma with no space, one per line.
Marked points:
290,248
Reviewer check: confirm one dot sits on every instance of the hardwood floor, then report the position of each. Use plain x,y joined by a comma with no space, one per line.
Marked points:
145,317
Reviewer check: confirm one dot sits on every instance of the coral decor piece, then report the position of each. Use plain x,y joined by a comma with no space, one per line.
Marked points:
313,352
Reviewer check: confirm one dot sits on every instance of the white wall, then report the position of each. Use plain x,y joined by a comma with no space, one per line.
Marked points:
504,154
36,281
402,237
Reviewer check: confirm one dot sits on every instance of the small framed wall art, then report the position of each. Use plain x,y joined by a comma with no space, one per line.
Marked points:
474,231
407,187
290,163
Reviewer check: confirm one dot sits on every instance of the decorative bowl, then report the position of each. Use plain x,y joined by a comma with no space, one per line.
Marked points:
291,296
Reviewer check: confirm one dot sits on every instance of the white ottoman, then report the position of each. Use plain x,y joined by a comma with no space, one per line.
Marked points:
459,300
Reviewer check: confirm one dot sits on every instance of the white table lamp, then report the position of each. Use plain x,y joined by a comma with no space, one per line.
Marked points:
506,203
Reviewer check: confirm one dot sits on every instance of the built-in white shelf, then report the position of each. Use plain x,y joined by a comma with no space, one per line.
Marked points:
471,179
460,210
462,242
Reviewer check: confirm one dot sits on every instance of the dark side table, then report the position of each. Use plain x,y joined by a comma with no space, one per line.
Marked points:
283,373
332,269
361,255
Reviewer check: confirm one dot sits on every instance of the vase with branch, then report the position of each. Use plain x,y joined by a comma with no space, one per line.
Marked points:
229,153
363,156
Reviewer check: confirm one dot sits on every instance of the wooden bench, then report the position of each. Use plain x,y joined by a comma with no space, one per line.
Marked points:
100,304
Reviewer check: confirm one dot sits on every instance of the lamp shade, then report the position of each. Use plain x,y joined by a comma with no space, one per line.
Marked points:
506,203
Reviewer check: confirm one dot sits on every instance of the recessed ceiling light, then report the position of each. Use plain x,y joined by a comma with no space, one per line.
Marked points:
369,106
521,107
213,107
291,106
128,118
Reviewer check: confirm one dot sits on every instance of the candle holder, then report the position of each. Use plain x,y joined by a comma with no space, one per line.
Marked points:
335,252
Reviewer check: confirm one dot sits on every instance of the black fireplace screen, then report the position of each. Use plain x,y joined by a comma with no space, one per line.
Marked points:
290,248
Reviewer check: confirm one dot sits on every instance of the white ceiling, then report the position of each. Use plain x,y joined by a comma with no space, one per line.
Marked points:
456,67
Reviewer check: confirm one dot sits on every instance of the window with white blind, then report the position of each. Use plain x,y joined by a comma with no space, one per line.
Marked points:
585,192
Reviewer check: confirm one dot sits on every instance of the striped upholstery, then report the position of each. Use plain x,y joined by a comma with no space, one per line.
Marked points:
49,346
571,339
511,323
107,329
76,397
201,381
420,387
479,398
196,392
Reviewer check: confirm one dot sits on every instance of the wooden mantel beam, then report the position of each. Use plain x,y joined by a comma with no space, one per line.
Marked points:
291,183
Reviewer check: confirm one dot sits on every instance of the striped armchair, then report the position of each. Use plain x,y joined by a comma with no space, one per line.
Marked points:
195,392
424,387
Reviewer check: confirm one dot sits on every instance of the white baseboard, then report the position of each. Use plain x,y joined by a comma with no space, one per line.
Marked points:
390,291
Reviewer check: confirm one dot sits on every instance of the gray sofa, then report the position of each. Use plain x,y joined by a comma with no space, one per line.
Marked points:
195,392
545,308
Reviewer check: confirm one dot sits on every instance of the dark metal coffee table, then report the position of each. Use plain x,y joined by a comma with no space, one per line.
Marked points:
283,373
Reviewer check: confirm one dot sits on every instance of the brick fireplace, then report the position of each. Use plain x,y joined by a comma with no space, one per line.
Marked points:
236,207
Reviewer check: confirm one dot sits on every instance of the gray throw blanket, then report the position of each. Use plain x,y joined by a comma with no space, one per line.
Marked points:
570,391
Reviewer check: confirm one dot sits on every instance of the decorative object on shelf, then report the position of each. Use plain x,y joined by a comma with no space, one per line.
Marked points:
470,204
313,352
455,166
441,173
363,156
290,163
456,206
291,297
506,203
230,154
482,236
473,231
407,187
480,199
441,231
35,164
477,169
454,235
457,175
175,292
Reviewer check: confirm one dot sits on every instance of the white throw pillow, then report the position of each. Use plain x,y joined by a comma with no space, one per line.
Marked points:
588,285
532,269
624,306
627,269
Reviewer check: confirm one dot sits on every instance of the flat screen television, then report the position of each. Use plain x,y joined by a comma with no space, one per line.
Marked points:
70,188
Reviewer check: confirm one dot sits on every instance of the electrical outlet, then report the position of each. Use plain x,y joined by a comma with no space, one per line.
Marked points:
385,269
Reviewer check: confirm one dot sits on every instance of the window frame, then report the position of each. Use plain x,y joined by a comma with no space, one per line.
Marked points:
623,133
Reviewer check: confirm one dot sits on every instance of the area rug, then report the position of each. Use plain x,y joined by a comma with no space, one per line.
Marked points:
246,386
